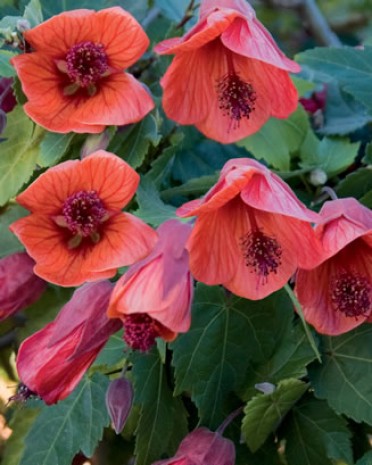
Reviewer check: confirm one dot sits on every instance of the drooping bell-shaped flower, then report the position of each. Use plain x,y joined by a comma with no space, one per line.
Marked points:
51,362
251,231
228,75
336,295
19,286
153,298
202,447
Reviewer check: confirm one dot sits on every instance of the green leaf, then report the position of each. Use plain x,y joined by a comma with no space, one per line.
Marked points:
33,13
343,379
278,139
9,242
267,455
112,353
134,143
356,184
53,147
173,10
349,66
151,208
196,186
6,69
265,412
163,419
289,360
73,425
315,435
303,86
367,199
331,155
20,424
19,153
208,358
365,460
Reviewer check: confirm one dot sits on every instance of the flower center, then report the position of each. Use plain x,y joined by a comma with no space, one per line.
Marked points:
23,393
83,213
236,97
262,253
351,294
140,331
86,63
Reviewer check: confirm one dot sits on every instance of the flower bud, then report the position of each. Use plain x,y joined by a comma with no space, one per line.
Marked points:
19,286
318,177
119,398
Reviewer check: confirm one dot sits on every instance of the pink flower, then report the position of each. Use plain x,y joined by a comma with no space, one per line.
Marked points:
202,447
52,361
154,296
336,296
251,231
19,286
228,75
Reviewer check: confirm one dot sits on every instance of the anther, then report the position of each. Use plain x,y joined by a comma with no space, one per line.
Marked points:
140,331
351,294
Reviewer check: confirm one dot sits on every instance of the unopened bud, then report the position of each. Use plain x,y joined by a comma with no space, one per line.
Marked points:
265,388
318,177
23,25
95,142
119,398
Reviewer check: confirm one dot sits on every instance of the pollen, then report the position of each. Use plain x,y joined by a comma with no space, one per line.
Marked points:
351,294
236,98
140,331
86,63
261,253
83,213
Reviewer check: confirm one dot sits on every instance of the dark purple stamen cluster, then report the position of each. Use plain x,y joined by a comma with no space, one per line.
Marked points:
235,98
86,62
261,252
23,393
351,294
83,213
140,331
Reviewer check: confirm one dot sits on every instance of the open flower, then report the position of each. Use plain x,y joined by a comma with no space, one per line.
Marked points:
19,286
74,78
202,447
51,362
228,75
251,231
154,296
336,296
77,231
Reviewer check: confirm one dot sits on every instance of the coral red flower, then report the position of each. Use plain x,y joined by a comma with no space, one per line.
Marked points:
19,286
228,75
336,296
154,297
77,231
203,447
74,78
52,361
251,231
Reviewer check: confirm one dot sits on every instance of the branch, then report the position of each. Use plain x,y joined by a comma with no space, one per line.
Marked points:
313,18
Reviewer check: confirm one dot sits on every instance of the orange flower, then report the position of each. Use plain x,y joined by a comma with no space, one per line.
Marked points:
77,231
74,78
336,296
251,231
228,76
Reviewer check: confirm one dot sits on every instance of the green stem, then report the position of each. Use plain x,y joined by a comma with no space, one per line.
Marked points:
298,308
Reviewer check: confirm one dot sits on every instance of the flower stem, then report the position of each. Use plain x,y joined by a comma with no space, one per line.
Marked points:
298,308
229,419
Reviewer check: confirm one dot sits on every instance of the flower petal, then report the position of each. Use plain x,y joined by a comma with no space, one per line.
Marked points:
125,239
111,177
249,38
121,99
122,36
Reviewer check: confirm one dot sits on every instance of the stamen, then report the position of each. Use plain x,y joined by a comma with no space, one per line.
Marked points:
23,393
351,294
83,213
140,331
235,97
86,63
262,253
